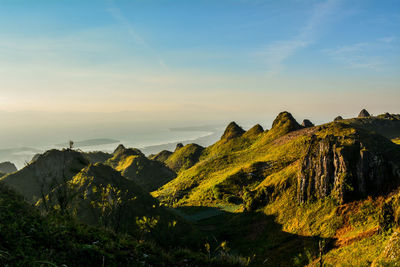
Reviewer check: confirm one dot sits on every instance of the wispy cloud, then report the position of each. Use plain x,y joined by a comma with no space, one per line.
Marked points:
279,51
117,14
365,55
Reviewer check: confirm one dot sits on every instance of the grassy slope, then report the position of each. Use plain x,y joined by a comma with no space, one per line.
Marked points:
147,173
221,166
185,157
49,168
30,239
104,197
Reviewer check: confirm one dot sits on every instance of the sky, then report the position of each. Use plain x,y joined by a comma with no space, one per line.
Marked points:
196,61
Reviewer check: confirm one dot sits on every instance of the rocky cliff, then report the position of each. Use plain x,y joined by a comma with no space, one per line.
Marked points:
348,167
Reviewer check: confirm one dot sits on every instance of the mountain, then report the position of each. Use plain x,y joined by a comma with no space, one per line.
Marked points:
293,191
161,156
97,156
48,170
7,167
254,131
364,114
184,157
232,130
293,195
388,126
99,195
133,164
33,239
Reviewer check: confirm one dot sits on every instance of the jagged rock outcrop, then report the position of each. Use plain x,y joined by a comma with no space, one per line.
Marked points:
364,114
232,130
338,118
7,167
178,146
307,123
283,124
253,131
347,168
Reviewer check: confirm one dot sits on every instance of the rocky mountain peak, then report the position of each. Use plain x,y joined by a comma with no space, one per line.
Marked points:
122,150
307,123
285,122
7,167
338,118
232,130
364,114
178,146
255,130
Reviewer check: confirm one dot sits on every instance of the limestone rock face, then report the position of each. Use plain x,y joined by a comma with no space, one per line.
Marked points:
307,123
364,114
232,130
344,171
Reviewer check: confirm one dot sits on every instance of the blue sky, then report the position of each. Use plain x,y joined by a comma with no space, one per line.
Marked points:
205,60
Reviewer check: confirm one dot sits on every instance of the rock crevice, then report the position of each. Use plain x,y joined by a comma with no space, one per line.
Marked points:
344,171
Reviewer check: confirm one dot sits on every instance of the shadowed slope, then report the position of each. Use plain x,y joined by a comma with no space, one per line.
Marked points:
7,167
134,165
49,169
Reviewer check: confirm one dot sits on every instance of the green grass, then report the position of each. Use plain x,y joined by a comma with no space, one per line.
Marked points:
361,253
184,158
147,173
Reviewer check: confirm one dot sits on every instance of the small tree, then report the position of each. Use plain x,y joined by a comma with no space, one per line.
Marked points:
71,144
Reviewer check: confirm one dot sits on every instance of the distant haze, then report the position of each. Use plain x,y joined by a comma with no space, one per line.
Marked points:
107,69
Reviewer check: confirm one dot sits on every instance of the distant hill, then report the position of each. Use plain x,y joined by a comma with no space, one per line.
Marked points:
7,167
184,157
100,195
29,238
48,170
321,181
91,142
133,164
97,156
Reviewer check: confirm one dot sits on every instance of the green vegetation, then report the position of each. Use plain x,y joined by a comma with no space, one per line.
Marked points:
184,158
147,173
290,196
30,239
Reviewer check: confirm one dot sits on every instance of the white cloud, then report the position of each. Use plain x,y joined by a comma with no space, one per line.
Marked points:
118,15
277,52
363,55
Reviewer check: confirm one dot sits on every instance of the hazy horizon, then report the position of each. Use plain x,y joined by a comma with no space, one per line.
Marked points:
98,69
